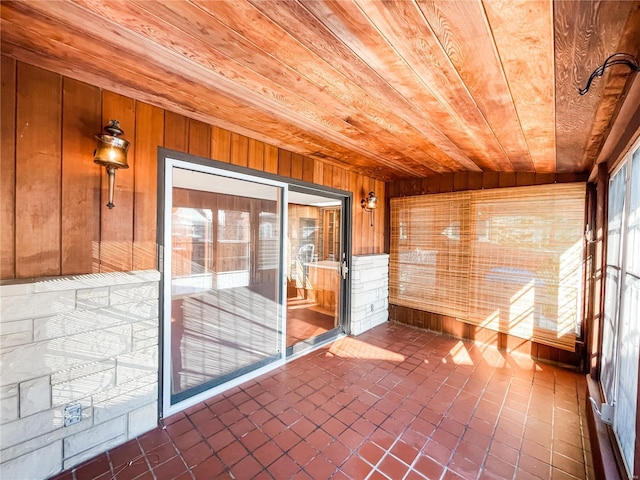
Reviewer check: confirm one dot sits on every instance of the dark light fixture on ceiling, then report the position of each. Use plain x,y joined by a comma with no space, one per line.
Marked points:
616,59
111,153
369,204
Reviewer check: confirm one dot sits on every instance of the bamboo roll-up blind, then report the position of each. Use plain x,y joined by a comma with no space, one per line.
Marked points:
505,259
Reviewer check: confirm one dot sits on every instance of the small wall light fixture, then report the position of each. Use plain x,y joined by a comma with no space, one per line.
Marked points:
369,204
111,153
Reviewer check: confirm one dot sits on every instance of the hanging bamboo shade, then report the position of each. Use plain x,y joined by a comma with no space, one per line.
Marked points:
505,259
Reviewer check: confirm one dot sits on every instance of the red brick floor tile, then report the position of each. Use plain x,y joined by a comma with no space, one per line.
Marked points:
188,440
209,468
334,427
382,439
319,439
254,439
405,452
161,454
125,453
504,452
232,453
320,467
356,468
94,468
153,439
132,469
246,469
495,467
392,467
220,440
351,439
568,465
286,440
170,469
337,453
371,453
197,454
268,453
534,466
428,467
438,452
283,467
178,428
302,453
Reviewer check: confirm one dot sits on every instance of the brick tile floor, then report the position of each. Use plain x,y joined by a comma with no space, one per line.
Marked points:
394,403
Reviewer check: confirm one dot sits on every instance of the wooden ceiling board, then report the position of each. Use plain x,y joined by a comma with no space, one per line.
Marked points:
523,34
463,31
199,97
389,126
213,68
390,89
403,25
394,83
586,33
190,105
618,83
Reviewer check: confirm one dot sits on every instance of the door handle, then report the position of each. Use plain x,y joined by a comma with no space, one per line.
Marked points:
344,269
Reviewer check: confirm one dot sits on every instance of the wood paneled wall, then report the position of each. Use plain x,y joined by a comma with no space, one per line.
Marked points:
453,326
53,216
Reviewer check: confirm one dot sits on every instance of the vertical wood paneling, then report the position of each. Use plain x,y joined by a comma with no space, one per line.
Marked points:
239,150
199,138
318,172
38,171
296,166
149,135
7,168
270,159
327,175
81,117
284,163
358,215
176,132
381,217
220,144
460,181
116,231
68,229
307,169
256,154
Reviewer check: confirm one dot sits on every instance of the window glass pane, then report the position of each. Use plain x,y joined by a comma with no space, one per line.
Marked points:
225,270
627,394
617,194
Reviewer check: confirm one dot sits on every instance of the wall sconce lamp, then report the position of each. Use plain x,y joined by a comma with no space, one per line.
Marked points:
111,153
369,204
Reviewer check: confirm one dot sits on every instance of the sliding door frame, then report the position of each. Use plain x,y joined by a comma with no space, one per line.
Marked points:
167,159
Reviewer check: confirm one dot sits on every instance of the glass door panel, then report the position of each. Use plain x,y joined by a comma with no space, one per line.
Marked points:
225,247
314,281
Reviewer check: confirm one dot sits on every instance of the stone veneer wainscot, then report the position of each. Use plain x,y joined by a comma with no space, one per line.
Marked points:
88,339
369,292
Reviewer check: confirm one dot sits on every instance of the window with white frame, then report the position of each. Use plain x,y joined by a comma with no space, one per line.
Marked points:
621,331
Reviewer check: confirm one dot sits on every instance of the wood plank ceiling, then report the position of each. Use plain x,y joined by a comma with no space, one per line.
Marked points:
391,89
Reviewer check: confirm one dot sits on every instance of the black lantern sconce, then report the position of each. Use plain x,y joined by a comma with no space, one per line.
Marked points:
369,204
111,153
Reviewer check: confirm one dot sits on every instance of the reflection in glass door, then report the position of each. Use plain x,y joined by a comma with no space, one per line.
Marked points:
315,279
222,276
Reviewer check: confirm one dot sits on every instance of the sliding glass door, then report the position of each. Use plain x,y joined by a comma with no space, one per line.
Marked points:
222,279
316,268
